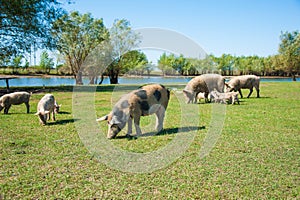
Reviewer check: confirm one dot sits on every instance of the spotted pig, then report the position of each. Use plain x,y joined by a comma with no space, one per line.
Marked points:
149,99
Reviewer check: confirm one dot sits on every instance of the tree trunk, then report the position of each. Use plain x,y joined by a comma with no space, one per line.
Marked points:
113,79
92,80
78,78
102,78
294,77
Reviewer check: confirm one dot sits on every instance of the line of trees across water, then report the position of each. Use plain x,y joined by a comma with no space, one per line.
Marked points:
85,47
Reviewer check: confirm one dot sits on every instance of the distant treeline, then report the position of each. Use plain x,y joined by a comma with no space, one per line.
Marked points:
285,63
227,65
179,65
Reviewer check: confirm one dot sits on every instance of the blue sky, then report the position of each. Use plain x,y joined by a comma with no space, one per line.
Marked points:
237,27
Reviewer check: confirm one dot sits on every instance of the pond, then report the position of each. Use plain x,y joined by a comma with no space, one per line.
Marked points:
57,81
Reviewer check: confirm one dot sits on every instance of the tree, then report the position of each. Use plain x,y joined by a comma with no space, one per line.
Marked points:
149,67
46,63
97,61
16,62
134,61
122,39
289,48
77,36
165,64
25,22
192,67
226,64
179,63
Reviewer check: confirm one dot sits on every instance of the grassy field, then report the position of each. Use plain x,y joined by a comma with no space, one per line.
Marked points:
257,155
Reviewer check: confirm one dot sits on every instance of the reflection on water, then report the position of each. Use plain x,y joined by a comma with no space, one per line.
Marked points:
56,81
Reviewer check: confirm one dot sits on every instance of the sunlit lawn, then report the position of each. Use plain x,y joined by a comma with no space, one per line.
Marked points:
255,157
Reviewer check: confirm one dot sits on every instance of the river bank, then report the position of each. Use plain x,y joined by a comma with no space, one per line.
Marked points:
125,76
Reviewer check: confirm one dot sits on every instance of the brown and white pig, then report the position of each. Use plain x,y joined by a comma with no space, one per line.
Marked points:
204,83
145,101
14,98
243,82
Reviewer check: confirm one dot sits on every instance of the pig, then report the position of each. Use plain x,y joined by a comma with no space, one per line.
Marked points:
14,98
56,107
204,83
147,100
243,82
201,95
218,97
45,107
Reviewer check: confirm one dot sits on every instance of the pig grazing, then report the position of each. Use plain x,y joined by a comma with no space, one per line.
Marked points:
14,98
243,82
204,83
45,107
145,101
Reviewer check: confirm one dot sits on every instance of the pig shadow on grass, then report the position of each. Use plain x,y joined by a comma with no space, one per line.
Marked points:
64,112
167,131
60,122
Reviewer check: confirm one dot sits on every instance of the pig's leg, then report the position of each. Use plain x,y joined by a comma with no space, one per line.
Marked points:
195,97
240,91
27,106
53,115
251,90
232,100
137,125
257,91
160,115
206,97
129,130
6,109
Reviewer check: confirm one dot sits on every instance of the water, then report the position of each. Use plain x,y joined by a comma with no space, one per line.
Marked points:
57,81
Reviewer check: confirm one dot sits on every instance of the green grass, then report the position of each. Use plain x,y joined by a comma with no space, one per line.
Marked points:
255,157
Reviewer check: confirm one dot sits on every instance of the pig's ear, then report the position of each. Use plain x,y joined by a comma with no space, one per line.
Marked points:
102,118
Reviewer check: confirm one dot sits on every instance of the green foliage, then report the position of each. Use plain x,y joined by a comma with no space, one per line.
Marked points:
25,23
165,64
46,63
179,64
77,36
171,64
134,62
289,48
16,63
256,156
26,65
122,40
